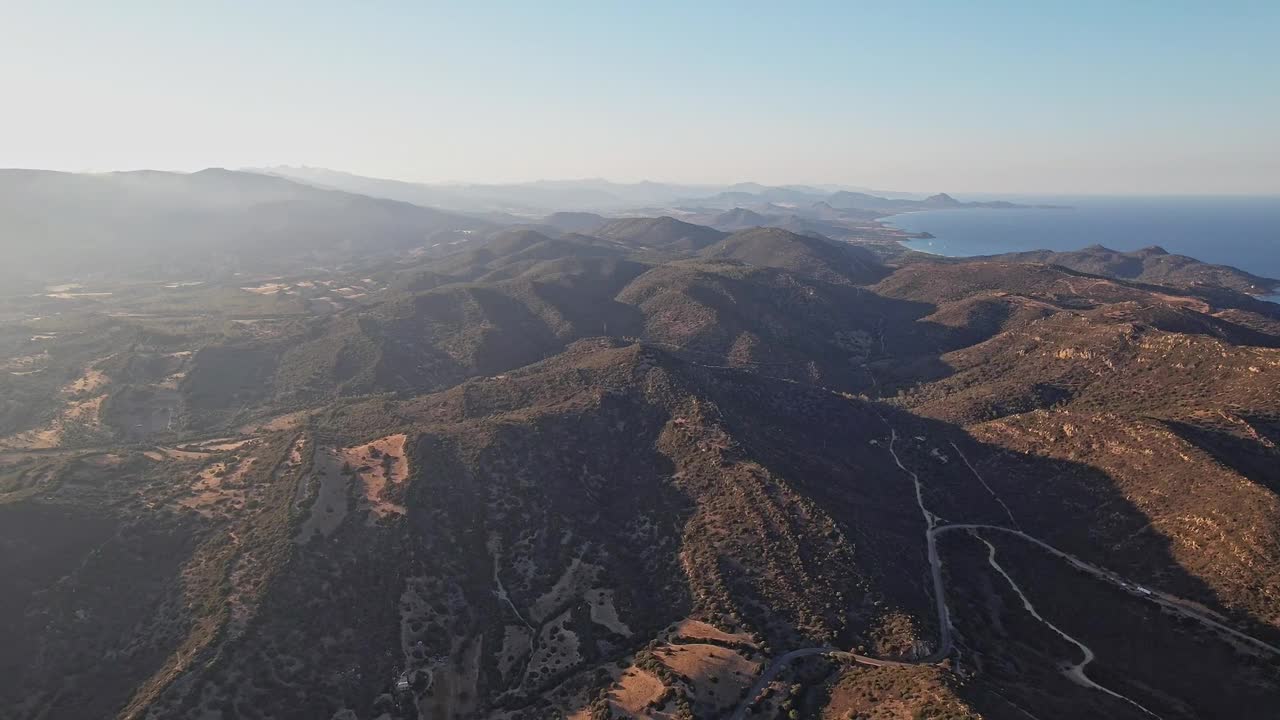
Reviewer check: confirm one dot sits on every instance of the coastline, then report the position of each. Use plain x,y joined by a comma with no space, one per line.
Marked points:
1008,237
905,246
901,237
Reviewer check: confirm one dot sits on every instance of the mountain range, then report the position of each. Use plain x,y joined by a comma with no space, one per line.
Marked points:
154,224
324,455
602,195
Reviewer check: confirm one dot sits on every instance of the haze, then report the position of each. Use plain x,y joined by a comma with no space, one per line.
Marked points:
1094,98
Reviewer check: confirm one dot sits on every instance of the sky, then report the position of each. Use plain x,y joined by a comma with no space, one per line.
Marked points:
1128,96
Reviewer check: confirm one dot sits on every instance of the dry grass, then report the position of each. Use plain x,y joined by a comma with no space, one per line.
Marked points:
266,288
87,383
85,413
634,691
698,630
717,675
379,465
219,483
894,694
79,410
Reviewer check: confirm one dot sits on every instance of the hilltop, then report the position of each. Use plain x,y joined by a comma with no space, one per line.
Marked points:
661,232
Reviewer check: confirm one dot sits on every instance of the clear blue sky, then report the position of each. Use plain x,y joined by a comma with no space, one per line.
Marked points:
1120,96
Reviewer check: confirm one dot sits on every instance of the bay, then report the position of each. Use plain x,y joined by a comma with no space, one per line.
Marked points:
1240,231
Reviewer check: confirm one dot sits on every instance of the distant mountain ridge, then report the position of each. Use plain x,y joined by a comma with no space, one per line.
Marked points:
215,220
590,194
940,201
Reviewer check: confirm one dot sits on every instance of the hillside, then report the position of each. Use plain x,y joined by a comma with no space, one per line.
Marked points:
1152,265
661,232
739,219
808,255
575,222
526,197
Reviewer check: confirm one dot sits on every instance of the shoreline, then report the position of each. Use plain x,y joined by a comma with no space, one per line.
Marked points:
908,248
901,237
1267,292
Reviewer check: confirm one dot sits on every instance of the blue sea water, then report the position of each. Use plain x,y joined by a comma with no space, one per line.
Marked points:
1240,231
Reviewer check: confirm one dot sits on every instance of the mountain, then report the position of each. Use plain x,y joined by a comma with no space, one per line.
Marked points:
941,200
542,196
740,219
755,193
805,254
576,222
214,222
1151,264
529,197
650,469
888,206
837,224
859,200
661,232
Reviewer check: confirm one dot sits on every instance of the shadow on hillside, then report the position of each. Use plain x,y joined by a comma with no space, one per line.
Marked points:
779,323
520,502
80,584
1250,458
838,336
518,506
835,451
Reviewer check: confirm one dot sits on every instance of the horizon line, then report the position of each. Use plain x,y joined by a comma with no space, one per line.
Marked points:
846,187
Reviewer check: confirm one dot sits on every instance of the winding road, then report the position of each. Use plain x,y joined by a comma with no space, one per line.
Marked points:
1075,671
932,530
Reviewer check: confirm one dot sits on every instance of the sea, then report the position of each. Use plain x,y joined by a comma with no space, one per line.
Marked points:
1243,232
